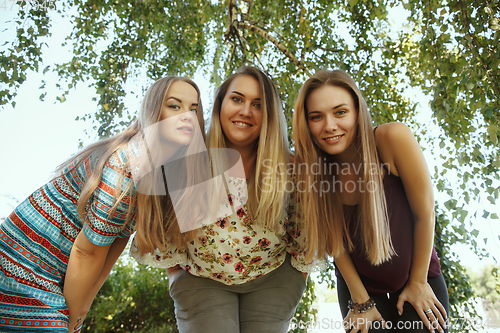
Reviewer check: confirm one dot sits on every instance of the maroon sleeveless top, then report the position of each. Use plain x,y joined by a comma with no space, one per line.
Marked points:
391,275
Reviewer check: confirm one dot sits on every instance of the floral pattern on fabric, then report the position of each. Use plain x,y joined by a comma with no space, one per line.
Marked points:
234,250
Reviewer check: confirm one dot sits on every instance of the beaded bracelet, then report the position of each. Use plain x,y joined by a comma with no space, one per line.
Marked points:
361,308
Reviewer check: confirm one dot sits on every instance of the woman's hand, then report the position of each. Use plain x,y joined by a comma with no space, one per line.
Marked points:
360,322
172,273
79,322
422,298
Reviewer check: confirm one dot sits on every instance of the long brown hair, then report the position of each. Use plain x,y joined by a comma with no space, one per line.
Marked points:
267,205
156,223
327,227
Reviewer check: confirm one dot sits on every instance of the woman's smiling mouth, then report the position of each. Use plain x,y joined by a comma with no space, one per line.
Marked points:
185,129
242,124
333,139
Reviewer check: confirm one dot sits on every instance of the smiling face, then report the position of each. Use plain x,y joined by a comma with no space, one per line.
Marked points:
241,114
178,113
332,120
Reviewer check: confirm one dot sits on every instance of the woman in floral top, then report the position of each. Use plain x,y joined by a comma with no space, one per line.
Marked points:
246,270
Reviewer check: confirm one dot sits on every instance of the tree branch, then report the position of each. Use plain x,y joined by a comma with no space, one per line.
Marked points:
273,40
328,49
232,13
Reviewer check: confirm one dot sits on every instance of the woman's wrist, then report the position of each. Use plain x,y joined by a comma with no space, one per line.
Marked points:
360,298
417,280
358,308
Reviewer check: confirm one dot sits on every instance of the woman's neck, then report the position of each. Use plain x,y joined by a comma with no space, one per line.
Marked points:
350,172
349,156
162,153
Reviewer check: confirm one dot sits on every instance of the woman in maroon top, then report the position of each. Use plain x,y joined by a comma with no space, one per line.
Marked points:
368,196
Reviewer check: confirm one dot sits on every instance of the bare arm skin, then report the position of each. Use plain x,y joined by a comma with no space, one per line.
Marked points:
398,147
88,267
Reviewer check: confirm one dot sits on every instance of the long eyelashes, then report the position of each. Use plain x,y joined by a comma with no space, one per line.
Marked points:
237,99
177,107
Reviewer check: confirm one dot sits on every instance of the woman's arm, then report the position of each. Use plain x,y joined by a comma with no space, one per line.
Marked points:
358,321
114,252
86,262
97,247
398,147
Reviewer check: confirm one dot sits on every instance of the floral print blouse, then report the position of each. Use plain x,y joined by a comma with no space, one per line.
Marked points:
233,250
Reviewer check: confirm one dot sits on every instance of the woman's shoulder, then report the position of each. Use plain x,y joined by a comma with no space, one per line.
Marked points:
391,139
390,133
116,166
123,156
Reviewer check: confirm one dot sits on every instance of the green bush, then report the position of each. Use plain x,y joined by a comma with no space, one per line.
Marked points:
304,312
459,287
134,298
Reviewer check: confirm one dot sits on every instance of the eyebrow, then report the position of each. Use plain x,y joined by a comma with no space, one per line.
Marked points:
338,106
172,97
178,100
334,108
240,94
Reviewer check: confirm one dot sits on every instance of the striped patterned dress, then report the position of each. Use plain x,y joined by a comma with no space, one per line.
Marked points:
36,241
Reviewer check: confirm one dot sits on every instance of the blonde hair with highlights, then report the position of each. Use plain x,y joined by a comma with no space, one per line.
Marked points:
267,208
156,223
328,229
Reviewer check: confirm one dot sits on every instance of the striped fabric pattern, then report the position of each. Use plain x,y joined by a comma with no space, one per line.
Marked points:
36,241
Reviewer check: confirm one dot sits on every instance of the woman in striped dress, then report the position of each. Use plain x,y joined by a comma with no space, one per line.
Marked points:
59,245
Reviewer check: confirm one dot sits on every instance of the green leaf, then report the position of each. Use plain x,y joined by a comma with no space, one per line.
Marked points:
492,133
450,204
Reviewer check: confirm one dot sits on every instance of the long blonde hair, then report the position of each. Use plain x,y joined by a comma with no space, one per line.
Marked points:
266,206
328,229
154,214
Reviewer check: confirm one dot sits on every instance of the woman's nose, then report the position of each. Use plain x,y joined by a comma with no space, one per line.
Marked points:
245,110
331,124
187,116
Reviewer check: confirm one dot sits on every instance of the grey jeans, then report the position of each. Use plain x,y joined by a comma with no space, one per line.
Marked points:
266,304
